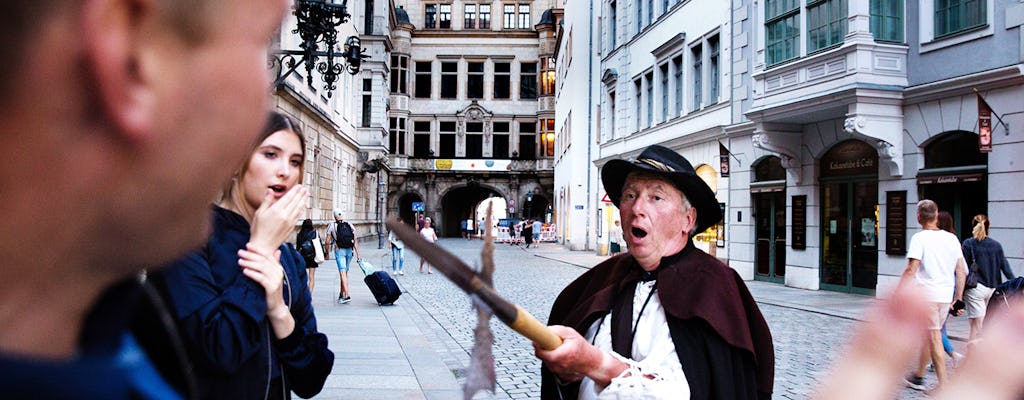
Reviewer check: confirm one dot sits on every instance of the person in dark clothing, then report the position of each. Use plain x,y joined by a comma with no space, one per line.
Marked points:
988,253
242,303
114,151
528,233
307,236
698,332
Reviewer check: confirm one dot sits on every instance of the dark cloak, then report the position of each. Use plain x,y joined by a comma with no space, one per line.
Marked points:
723,341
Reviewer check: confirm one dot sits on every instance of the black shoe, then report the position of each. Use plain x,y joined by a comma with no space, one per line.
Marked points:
915,382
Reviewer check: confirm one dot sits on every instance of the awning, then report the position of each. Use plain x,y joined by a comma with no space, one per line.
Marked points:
970,173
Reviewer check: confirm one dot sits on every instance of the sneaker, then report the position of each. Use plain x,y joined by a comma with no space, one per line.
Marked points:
344,300
957,359
915,382
401,273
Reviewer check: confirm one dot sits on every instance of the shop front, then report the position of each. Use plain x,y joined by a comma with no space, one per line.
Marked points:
848,181
768,192
955,178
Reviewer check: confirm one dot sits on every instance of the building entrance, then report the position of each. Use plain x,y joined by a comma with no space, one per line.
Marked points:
955,177
769,196
849,218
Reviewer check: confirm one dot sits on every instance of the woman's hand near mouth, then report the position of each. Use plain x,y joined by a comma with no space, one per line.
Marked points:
273,222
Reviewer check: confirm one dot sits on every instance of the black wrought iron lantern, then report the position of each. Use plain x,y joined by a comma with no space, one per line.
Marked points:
317,24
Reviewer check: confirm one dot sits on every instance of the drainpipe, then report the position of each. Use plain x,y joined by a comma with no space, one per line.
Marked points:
590,124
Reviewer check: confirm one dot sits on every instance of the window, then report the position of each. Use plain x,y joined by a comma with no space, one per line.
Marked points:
612,22
447,136
650,99
528,140
449,79
677,70
485,16
475,83
650,11
510,16
639,17
429,16
713,78
524,16
397,136
399,74
826,24
782,30
368,17
547,76
638,86
474,140
887,20
445,16
423,72
611,113
663,73
547,135
469,10
367,102
528,80
501,140
955,16
698,58
502,80
664,6
421,139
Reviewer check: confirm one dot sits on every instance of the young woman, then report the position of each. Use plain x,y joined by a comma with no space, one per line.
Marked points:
428,233
308,234
242,303
992,263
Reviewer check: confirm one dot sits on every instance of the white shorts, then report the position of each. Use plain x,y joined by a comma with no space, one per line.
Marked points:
976,300
937,313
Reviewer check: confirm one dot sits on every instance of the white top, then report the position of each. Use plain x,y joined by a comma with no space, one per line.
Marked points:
615,235
938,252
653,350
394,240
429,234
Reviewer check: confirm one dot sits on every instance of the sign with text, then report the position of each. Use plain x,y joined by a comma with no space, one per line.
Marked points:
799,232
896,222
984,126
443,164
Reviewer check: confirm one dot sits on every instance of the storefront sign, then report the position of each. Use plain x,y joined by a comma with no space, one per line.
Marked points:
984,126
957,178
896,222
799,233
852,157
723,165
472,165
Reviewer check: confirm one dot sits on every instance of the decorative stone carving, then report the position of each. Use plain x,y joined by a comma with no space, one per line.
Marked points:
784,144
882,125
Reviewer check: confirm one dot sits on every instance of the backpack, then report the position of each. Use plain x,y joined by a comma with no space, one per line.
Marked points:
306,248
344,236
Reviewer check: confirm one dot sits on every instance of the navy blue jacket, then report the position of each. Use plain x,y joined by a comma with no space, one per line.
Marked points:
221,314
991,260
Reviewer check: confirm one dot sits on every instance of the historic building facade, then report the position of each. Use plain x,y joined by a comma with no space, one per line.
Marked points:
471,109
857,110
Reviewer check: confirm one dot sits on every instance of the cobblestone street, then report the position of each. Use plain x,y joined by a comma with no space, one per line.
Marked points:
805,342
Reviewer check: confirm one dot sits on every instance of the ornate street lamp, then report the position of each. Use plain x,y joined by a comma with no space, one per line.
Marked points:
318,21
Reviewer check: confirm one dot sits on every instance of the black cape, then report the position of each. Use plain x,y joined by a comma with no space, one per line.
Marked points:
721,338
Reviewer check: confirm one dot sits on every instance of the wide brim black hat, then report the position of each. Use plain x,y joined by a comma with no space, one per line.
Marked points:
671,166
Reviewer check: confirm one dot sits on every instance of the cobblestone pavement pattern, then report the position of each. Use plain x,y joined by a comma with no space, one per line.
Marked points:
806,343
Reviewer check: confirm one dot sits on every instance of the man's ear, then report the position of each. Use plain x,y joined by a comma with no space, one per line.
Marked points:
111,34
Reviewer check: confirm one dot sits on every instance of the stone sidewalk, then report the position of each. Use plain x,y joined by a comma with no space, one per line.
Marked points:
395,352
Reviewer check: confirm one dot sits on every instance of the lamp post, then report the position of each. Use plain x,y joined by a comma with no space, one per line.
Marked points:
317,22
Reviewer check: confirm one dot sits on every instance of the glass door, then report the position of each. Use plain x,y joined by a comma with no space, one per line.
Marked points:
770,215
849,236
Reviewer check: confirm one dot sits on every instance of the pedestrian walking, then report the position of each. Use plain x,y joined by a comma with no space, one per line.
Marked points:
342,236
428,233
537,228
615,240
934,262
945,222
241,302
989,263
623,321
397,253
310,248
110,170
528,233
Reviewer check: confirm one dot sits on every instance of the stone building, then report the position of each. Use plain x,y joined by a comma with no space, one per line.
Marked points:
471,109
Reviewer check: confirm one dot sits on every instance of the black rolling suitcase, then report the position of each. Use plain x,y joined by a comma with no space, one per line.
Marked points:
383,287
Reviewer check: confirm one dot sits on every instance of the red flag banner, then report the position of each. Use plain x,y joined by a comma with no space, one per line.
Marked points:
984,126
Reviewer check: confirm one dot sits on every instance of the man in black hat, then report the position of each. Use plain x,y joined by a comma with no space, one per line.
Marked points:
665,320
